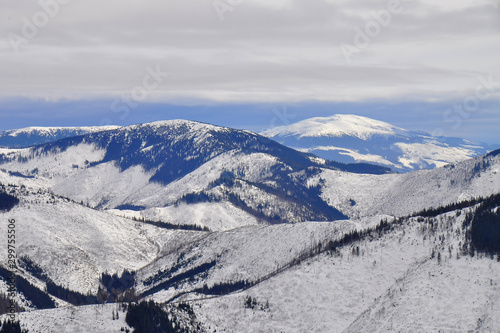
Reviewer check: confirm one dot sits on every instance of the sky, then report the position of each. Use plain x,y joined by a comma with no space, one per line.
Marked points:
254,64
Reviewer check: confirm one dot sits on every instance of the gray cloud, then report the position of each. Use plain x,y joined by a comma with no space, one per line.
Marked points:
286,50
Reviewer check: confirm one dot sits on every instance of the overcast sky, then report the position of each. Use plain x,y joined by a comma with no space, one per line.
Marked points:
438,62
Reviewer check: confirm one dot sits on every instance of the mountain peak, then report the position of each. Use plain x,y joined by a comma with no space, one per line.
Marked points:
350,138
177,123
337,125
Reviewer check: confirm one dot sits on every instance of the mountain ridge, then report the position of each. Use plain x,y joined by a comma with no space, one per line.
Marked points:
36,135
96,168
351,138
288,231
336,126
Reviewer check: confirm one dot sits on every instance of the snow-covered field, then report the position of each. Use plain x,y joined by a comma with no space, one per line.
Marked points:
90,318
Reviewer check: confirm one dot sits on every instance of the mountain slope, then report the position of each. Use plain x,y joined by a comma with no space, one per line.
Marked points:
157,166
404,194
71,243
244,254
32,136
350,138
377,271
172,171
410,278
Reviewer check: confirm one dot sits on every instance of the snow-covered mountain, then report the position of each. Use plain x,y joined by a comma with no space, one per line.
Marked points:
413,278
349,138
296,244
74,244
181,172
32,136
409,275
186,172
402,194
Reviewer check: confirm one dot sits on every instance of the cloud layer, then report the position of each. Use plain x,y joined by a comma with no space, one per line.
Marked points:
249,51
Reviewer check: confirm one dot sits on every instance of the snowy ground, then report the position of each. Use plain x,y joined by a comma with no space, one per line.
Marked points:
399,195
217,216
90,318
357,195
392,286
74,244
247,253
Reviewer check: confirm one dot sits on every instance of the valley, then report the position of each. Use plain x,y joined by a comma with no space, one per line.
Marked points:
229,231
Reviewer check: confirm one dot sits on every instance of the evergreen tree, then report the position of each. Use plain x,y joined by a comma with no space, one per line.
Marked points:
7,201
11,327
148,317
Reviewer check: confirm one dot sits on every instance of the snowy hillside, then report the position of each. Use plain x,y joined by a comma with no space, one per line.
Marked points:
404,194
73,244
350,138
294,243
32,136
408,276
414,278
185,172
159,167
337,126
245,254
